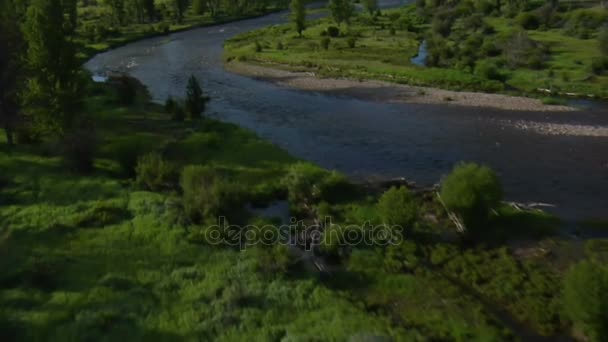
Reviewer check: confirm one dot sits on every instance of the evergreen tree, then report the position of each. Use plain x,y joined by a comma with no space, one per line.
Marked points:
298,15
53,87
195,101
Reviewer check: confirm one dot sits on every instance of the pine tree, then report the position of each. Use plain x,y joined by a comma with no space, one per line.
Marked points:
53,89
341,10
195,101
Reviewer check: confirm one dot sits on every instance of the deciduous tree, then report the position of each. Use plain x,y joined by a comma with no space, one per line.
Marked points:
298,15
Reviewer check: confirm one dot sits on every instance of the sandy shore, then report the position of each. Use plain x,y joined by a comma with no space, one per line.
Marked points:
389,92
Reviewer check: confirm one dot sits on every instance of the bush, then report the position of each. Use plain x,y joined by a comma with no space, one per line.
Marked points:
79,148
585,299
397,207
307,183
325,43
206,194
127,151
155,173
280,46
126,90
257,47
488,70
332,31
528,21
599,65
195,100
472,191
352,42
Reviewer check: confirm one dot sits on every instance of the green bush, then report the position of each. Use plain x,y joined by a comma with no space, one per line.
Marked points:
304,182
351,42
127,151
397,207
280,46
489,70
155,173
599,65
528,21
325,43
126,90
472,191
206,194
585,299
332,31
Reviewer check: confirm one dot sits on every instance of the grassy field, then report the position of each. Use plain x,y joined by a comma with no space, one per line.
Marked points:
96,257
381,48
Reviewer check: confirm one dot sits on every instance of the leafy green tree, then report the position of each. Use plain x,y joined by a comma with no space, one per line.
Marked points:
199,6
53,87
298,15
341,10
370,6
472,191
397,207
585,299
195,101
118,9
11,44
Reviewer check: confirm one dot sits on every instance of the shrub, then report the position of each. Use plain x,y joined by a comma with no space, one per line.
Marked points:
528,21
257,47
154,173
79,147
280,46
352,42
332,31
304,182
325,43
392,31
206,194
397,207
599,65
585,299
472,191
127,151
126,90
488,70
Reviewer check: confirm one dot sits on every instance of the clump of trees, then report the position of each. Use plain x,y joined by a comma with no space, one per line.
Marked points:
472,191
193,105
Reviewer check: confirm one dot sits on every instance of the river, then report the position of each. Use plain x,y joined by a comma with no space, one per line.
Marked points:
365,138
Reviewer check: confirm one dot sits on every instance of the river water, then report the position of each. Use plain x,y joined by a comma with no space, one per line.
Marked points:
365,138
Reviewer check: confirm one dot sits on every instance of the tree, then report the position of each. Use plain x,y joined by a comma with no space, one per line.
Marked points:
397,207
370,6
195,101
10,68
603,41
53,87
179,7
199,6
585,299
298,15
341,10
472,191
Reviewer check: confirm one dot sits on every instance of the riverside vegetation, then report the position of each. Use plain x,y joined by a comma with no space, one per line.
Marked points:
533,48
106,200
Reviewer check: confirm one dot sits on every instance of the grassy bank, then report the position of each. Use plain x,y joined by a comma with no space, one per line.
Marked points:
476,56
101,256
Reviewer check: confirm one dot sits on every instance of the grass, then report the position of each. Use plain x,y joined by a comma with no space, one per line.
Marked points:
95,257
383,51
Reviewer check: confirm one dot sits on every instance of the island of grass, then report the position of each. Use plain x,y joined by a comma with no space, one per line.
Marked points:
541,52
